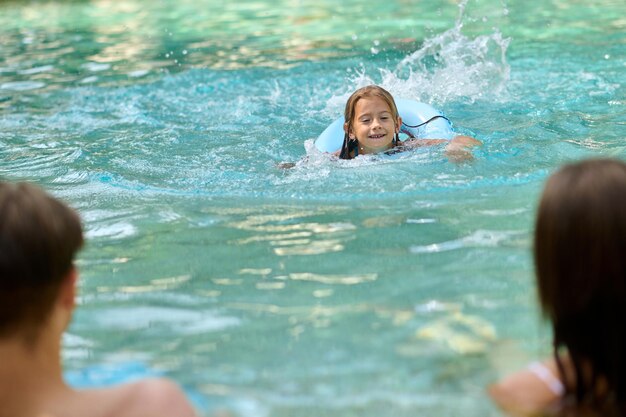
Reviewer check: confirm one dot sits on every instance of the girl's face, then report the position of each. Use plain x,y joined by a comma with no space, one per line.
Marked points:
374,125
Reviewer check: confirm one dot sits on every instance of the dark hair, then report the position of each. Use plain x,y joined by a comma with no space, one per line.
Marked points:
39,237
580,262
349,145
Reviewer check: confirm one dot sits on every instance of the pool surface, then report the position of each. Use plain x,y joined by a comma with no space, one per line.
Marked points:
381,286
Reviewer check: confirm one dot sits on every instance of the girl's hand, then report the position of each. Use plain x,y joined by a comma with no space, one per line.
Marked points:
457,150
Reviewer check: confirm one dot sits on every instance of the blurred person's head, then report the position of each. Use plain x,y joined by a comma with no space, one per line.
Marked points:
39,237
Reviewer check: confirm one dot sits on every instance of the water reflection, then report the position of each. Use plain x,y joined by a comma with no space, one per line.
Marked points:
464,334
478,238
106,41
291,234
334,279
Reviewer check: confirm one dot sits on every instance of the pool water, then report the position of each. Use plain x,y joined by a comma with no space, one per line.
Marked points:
395,286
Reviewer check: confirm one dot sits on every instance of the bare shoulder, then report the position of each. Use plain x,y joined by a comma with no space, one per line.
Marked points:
523,393
155,397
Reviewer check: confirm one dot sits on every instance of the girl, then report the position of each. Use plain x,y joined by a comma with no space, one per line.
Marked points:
580,263
372,125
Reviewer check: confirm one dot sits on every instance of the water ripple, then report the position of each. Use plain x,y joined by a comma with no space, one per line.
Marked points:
334,279
22,85
480,238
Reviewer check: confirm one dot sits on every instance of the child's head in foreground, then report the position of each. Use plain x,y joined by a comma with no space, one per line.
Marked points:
580,260
39,237
372,122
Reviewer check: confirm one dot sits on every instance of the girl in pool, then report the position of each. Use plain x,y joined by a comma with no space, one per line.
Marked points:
372,125
580,263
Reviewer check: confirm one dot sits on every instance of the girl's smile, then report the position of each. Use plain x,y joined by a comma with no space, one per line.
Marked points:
374,125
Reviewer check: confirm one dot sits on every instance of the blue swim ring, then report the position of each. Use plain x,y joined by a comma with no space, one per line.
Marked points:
414,117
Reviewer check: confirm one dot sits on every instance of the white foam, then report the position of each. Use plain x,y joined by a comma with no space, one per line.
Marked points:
117,230
138,73
36,70
22,85
480,238
88,80
448,66
95,66
185,321
421,221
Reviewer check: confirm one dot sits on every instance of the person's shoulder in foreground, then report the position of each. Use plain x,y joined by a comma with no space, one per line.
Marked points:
39,238
580,269
149,397
528,392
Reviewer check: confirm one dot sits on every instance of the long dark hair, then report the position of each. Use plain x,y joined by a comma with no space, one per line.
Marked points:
580,262
350,146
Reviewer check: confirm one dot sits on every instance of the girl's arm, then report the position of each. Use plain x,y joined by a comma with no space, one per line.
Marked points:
456,149
457,142
416,143
464,141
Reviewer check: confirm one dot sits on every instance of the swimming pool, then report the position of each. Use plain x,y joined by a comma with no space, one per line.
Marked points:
383,286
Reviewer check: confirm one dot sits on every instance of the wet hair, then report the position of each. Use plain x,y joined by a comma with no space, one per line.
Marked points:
350,145
580,263
39,237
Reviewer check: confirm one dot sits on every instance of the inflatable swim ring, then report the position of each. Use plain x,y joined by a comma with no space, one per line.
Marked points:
419,120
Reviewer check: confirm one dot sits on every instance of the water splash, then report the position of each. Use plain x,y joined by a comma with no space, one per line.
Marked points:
447,67
451,66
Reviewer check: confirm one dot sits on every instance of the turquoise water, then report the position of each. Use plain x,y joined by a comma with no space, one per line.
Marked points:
381,286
